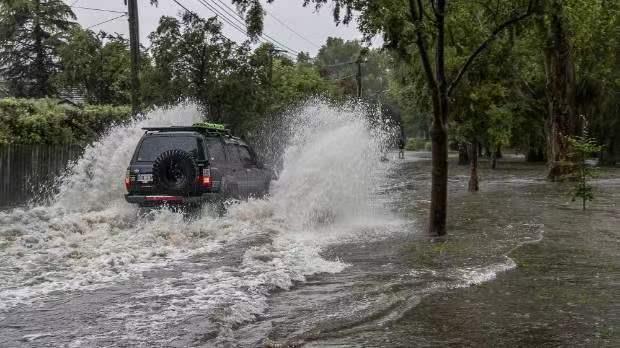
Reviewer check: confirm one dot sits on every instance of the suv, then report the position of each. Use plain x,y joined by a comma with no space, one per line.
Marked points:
192,165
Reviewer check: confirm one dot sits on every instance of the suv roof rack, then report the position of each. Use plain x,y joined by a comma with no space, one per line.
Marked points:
212,129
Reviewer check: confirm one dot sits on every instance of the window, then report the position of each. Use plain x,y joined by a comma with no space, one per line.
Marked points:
232,153
154,146
216,150
246,157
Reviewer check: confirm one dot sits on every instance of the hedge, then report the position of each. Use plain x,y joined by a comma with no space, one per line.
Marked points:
415,144
47,121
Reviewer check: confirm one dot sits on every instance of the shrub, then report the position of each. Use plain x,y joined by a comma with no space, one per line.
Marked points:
583,148
45,121
414,144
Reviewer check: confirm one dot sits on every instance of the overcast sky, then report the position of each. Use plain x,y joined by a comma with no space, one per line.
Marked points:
313,26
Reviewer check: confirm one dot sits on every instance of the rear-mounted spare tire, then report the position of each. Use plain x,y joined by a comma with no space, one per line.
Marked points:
175,171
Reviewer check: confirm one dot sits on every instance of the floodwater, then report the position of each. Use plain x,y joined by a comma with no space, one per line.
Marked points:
337,256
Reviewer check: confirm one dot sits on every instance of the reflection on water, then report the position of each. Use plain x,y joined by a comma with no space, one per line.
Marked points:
26,170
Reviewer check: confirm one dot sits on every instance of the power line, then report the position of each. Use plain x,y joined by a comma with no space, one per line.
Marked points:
104,22
98,9
224,18
235,15
243,28
197,16
230,12
292,30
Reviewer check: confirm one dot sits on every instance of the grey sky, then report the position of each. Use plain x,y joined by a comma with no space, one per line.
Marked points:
315,27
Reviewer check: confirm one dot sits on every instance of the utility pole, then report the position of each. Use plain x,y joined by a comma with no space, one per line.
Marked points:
134,46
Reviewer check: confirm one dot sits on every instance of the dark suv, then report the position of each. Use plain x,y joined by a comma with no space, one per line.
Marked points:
192,165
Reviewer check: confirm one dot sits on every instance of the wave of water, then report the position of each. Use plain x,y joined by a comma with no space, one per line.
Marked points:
88,237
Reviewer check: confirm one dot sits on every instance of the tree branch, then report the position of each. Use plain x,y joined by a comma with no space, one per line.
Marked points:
416,17
490,39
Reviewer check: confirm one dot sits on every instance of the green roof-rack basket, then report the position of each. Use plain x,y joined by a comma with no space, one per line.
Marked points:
213,128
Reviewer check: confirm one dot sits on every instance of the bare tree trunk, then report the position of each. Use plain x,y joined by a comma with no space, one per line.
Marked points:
473,175
560,71
439,188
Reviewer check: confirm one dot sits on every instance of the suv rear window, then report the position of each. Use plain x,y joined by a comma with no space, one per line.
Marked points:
152,147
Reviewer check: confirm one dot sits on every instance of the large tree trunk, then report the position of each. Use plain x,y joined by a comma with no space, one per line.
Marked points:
439,131
560,70
439,186
473,175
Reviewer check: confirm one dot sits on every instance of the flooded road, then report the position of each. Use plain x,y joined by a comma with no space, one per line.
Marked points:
337,256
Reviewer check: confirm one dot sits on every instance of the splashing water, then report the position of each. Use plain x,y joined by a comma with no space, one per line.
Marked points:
88,237
331,166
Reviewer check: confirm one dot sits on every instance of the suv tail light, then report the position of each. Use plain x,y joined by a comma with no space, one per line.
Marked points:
128,180
205,179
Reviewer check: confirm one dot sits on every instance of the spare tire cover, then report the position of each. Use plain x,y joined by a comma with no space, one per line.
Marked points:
175,171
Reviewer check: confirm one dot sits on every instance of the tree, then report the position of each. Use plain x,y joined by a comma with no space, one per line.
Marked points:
195,61
596,46
406,23
97,65
561,90
337,61
31,32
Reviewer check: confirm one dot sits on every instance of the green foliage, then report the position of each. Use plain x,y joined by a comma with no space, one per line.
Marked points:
31,32
97,66
194,61
583,148
336,61
415,144
45,121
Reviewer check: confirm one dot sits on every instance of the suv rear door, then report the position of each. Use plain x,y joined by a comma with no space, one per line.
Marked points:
153,145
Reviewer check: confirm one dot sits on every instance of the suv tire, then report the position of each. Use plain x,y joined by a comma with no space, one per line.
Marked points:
175,171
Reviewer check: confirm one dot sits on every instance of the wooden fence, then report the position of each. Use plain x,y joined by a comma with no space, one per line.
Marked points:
28,170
